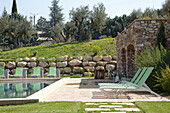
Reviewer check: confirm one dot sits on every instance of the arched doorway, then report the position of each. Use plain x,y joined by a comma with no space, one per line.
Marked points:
123,60
130,58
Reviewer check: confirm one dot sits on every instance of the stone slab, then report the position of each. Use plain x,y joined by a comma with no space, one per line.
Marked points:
131,104
127,109
97,109
110,106
94,103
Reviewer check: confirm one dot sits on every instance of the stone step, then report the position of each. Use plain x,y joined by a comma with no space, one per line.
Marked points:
110,106
127,109
95,103
97,109
131,104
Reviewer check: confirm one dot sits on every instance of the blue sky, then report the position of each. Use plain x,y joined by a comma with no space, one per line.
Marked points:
113,7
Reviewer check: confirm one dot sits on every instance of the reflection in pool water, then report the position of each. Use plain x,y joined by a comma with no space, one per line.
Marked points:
21,90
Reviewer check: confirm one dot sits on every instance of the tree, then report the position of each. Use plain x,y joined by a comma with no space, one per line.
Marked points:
166,7
16,27
136,14
4,12
98,18
56,14
43,24
161,39
14,7
69,29
80,16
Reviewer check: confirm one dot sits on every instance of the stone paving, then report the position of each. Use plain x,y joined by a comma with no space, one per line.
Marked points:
73,90
110,107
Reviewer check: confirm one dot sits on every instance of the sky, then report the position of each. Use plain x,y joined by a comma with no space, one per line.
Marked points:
113,7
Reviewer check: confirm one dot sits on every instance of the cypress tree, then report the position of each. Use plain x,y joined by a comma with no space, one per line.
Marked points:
14,7
161,39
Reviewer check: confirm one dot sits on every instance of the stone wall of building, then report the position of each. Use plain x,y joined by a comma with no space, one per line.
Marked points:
134,38
67,65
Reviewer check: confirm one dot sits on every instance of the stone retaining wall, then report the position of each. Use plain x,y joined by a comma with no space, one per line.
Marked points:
67,65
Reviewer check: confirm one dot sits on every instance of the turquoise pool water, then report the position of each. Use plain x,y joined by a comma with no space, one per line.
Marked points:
21,90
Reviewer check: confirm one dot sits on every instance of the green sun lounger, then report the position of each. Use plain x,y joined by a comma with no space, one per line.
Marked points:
128,87
37,72
20,73
2,89
36,87
52,72
4,73
19,88
134,80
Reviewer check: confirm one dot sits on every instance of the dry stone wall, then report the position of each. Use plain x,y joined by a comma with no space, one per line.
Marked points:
134,38
67,65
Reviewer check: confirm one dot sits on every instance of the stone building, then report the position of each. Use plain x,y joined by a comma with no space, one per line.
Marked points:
138,34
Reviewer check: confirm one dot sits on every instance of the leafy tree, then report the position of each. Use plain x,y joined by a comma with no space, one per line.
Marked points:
69,29
166,7
98,18
56,14
136,14
14,7
16,27
80,16
161,39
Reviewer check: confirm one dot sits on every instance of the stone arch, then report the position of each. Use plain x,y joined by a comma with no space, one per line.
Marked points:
123,60
130,58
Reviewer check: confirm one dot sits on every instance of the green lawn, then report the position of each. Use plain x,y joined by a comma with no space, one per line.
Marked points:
154,107
50,107
105,46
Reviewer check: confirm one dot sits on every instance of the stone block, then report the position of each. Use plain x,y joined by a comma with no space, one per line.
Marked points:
91,69
33,59
77,69
19,60
52,59
41,59
88,58
101,63
67,70
52,64
85,63
26,59
11,65
114,57
32,64
92,63
111,67
61,64
21,64
79,58
75,62
100,67
107,58
97,58
43,64
63,58
113,62
2,63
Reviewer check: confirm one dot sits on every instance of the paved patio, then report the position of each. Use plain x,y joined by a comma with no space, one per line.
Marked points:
87,90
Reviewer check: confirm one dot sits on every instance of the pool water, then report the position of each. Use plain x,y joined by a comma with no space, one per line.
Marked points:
21,90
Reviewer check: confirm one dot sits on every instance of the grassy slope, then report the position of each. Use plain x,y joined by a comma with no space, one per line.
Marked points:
154,107
50,107
106,46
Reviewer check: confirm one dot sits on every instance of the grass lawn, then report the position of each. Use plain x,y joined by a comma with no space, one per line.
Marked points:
46,107
103,46
154,107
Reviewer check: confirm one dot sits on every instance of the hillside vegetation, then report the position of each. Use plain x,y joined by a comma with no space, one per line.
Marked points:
99,47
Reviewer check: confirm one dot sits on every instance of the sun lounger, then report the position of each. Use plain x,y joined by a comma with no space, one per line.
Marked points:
53,72
20,73
4,73
134,80
140,86
37,72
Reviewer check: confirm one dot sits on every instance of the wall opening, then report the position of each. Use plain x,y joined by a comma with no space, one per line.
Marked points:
130,58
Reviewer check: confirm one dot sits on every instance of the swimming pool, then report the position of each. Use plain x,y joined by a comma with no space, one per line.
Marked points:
21,89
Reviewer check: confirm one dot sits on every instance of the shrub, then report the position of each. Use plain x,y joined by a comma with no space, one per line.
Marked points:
163,79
